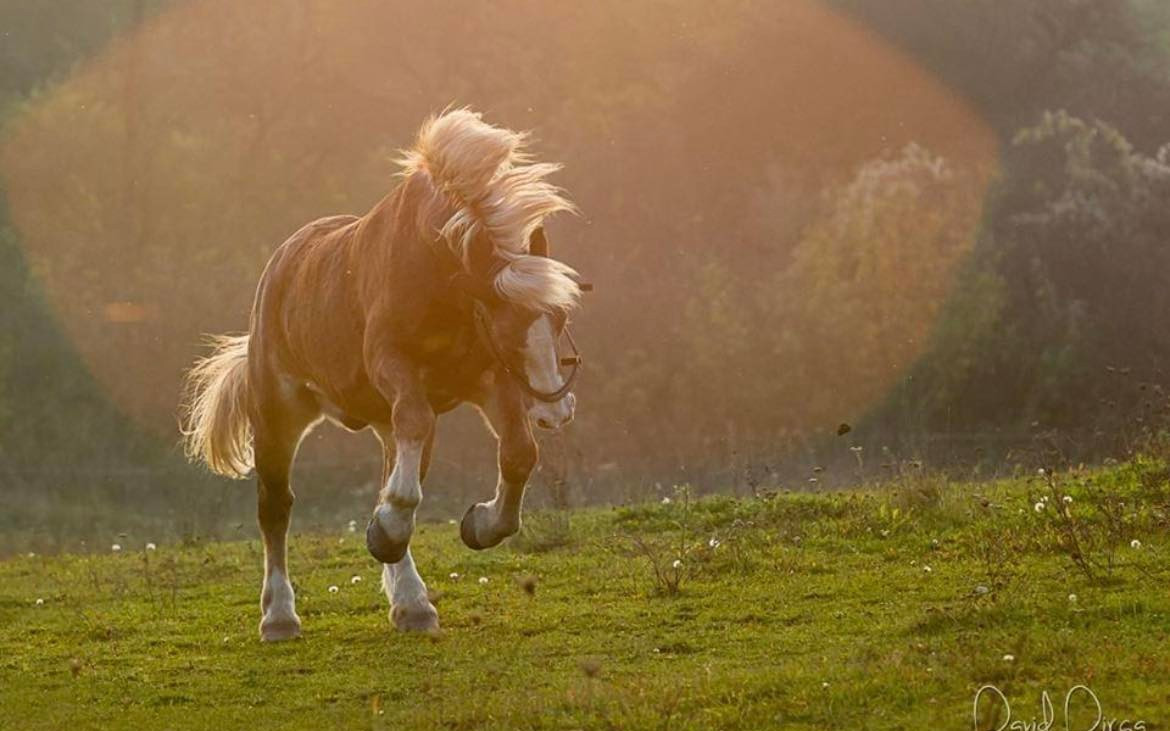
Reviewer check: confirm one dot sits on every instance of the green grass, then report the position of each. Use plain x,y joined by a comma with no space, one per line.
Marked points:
813,611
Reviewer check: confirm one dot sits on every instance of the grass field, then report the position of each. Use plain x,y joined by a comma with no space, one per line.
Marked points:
884,609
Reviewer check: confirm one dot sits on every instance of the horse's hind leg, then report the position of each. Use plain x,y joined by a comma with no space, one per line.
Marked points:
278,430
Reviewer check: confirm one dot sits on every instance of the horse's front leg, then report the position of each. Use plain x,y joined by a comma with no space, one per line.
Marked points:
406,448
486,524
410,605
413,421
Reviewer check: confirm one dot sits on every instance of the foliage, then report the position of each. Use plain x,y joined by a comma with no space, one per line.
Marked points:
775,252
1054,314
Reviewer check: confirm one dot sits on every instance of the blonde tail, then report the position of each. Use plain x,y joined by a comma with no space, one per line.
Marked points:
216,399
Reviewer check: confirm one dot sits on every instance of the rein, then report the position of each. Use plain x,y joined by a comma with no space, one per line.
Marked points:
483,329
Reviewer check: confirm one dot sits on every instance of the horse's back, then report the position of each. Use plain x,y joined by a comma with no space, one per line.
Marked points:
305,299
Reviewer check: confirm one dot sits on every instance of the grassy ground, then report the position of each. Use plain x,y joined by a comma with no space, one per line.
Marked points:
885,609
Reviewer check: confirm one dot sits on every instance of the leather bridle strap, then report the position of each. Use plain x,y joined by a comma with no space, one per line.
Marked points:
483,329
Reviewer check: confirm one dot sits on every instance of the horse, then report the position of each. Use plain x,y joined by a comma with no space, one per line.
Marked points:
443,293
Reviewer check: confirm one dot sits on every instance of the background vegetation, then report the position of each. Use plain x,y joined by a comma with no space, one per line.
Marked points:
941,223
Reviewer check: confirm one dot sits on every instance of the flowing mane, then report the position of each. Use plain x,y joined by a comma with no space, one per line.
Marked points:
486,182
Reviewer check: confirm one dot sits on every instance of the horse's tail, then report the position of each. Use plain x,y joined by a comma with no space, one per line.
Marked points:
216,429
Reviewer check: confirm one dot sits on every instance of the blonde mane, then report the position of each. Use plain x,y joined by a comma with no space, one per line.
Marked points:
491,185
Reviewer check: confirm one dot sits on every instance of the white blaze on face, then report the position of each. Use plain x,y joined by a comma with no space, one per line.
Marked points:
540,366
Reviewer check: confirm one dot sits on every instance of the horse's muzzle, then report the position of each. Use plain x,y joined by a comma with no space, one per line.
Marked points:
555,415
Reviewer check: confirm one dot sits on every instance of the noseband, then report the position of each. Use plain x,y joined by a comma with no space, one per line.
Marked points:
483,329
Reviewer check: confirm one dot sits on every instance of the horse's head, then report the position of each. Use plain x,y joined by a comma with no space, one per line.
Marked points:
523,323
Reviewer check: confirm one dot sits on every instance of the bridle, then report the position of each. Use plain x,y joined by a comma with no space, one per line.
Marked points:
484,331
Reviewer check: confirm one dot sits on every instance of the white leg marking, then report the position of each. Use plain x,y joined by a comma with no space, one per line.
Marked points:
499,517
402,493
410,606
280,619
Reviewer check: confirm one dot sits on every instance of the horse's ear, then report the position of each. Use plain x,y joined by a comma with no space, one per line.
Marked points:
477,287
538,243
481,253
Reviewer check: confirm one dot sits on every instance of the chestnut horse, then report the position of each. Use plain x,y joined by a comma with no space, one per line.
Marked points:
443,293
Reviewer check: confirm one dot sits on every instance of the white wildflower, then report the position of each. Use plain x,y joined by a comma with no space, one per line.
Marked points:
151,547
355,579
352,526
1072,598
453,576
713,543
1135,544
1067,499
1039,507
981,589
666,501
677,563
927,569
116,548
1041,472
825,684
1009,658
483,579
333,589
40,602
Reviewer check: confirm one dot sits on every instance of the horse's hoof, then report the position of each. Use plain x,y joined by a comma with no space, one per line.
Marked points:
421,617
280,629
381,546
467,530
